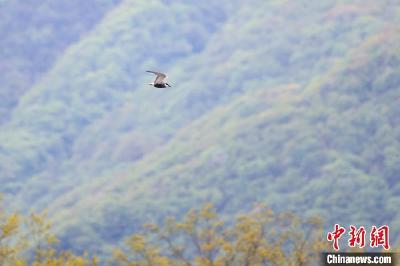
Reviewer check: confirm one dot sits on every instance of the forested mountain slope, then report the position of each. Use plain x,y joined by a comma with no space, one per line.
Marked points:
93,78
328,148
33,35
290,103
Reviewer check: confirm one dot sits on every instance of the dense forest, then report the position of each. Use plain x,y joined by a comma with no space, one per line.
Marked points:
293,104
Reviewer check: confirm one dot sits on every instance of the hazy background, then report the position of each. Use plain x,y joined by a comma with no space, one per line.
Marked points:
295,104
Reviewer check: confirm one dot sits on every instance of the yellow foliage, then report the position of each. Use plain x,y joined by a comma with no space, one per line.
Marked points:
161,261
20,263
18,235
137,243
10,226
200,239
203,239
207,212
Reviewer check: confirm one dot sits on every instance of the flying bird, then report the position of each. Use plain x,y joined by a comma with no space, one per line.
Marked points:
160,81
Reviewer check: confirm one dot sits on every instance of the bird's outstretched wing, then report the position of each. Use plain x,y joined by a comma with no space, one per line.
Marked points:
160,76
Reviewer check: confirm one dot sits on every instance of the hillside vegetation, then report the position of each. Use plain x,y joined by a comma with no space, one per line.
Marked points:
293,104
34,34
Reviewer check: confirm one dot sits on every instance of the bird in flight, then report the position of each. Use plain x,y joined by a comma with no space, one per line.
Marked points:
160,81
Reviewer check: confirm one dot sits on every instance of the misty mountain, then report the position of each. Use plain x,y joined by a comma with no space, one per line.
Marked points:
292,104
